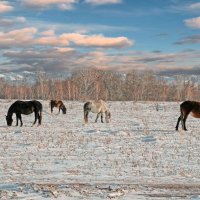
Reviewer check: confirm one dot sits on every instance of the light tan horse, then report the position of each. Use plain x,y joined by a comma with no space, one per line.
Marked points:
99,107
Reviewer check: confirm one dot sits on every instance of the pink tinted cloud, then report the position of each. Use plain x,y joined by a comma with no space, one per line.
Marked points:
5,7
51,40
48,33
97,40
193,22
28,36
64,50
84,40
18,37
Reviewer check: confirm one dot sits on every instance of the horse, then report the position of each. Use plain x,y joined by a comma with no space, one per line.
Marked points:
25,108
59,104
186,108
98,107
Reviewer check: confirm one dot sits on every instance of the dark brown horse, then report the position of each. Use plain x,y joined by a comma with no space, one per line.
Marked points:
26,108
59,104
186,108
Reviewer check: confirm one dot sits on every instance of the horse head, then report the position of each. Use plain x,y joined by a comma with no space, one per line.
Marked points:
64,109
9,120
108,116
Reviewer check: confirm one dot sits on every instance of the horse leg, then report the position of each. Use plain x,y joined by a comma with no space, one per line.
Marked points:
184,116
36,116
39,118
184,122
16,119
101,117
51,109
97,117
179,119
20,118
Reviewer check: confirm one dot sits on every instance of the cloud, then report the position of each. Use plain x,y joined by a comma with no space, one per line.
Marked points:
49,60
27,36
48,33
20,19
11,21
64,50
195,6
60,59
193,22
65,6
85,40
102,2
97,40
62,4
194,39
18,37
5,7
52,40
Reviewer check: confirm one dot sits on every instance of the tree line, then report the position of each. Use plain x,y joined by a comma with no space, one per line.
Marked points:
91,84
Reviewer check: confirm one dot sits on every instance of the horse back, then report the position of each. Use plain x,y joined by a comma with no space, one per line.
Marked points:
56,103
101,105
95,106
191,106
25,107
37,105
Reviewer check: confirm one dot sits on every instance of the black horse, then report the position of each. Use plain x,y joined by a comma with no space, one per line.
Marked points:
59,104
26,108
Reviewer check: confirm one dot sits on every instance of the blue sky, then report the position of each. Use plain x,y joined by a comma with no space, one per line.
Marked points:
121,35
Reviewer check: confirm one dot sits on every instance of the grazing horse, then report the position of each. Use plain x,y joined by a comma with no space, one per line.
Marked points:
98,107
59,104
25,108
186,108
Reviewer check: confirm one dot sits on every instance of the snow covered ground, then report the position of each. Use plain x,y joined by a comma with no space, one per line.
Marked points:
139,155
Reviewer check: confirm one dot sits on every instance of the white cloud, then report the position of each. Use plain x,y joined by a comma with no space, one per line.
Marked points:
65,6
102,2
5,7
21,19
193,22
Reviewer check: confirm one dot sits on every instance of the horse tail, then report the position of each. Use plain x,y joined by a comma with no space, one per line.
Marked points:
86,109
